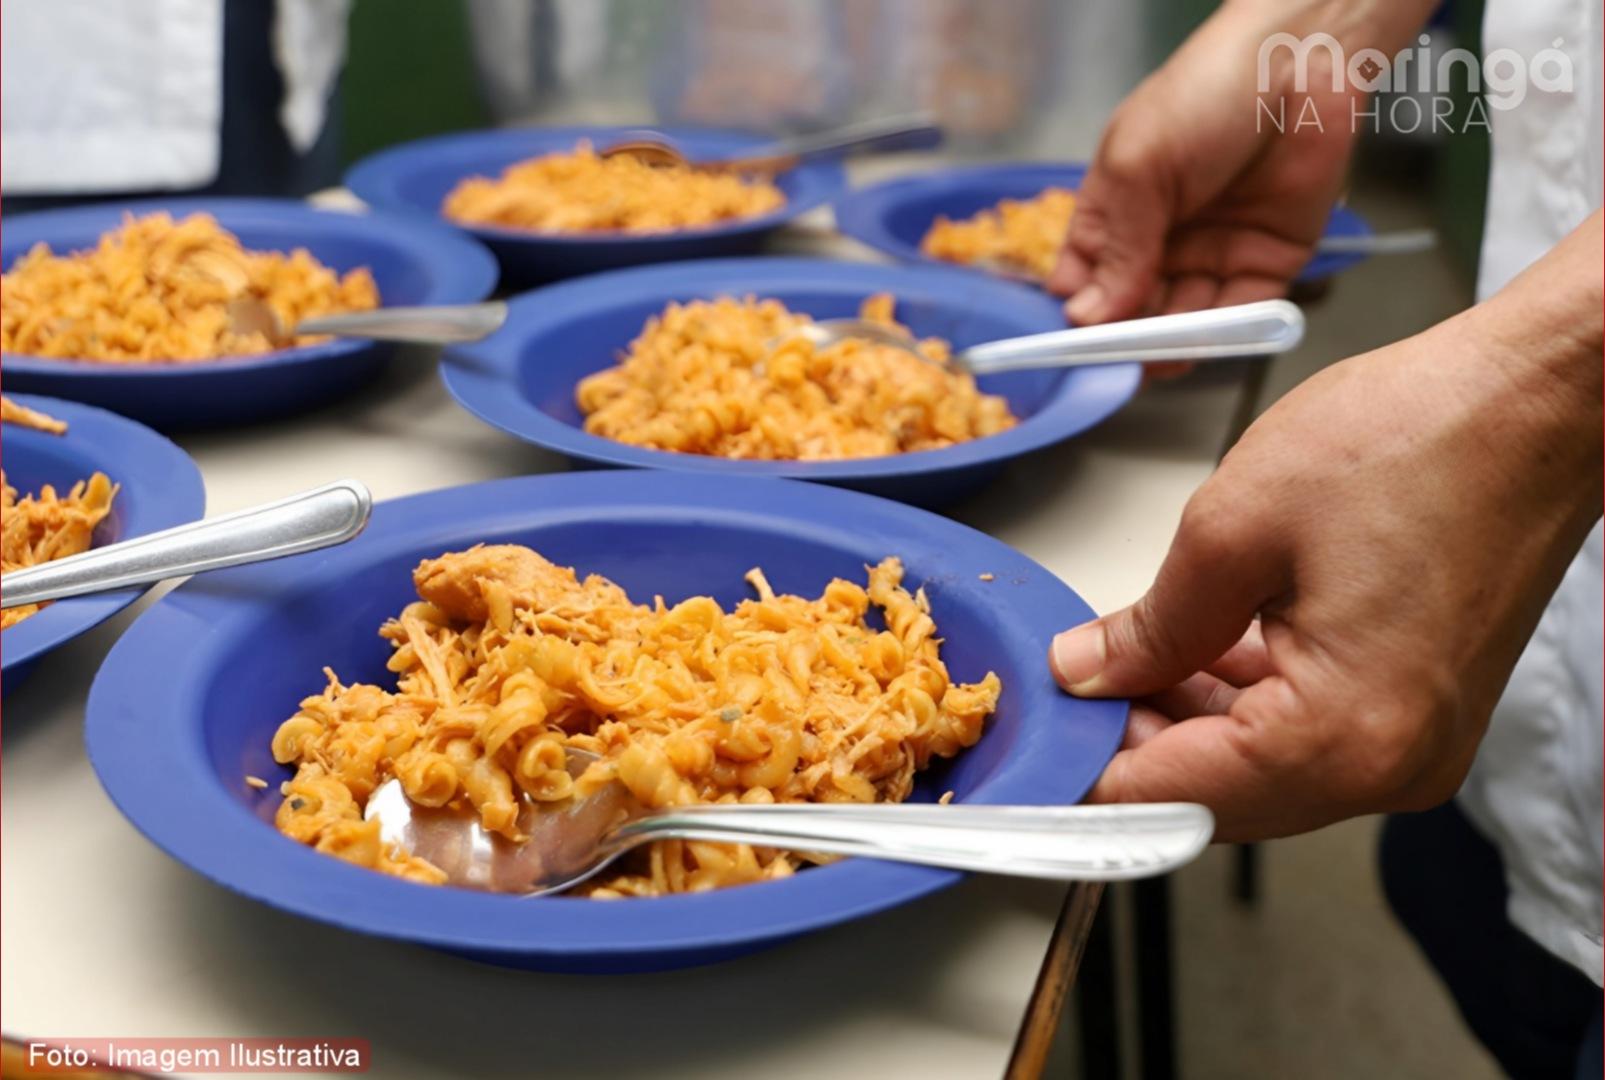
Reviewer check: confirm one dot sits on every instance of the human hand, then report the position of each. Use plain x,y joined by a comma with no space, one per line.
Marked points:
1194,198
1396,525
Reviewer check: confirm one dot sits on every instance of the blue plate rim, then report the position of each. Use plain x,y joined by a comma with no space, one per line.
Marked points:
466,271
478,375
369,178
167,788
860,213
121,446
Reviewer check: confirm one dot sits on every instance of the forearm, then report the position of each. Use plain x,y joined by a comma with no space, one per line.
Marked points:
1543,335
1553,313
1520,380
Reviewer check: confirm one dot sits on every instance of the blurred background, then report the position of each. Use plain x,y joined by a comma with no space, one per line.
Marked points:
1009,79
310,86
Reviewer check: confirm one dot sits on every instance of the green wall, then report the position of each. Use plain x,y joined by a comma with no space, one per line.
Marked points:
409,73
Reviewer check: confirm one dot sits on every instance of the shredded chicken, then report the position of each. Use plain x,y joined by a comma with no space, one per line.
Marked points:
46,526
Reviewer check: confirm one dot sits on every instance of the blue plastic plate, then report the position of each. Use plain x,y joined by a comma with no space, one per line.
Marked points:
522,379
188,701
160,488
413,262
894,217
416,176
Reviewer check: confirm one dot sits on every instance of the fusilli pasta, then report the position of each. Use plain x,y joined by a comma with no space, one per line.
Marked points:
731,378
46,526
506,662
582,191
159,290
1022,235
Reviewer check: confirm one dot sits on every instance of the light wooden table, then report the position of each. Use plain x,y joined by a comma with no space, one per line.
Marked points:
102,935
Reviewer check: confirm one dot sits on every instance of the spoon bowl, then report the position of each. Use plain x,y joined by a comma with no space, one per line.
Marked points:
893,133
440,324
659,153
562,841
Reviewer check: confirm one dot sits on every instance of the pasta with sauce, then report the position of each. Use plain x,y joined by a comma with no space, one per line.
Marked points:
733,378
40,527
584,192
159,290
507,661
1019,235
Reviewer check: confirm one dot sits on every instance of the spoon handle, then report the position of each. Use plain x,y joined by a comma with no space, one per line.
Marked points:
1063,843
443,325
916,132
1260,329
1397,242
313,519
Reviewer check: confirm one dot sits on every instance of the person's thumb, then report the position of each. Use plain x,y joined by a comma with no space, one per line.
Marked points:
1110,264
1203,600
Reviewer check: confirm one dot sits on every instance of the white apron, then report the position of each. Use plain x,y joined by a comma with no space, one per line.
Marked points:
115,97
1535,789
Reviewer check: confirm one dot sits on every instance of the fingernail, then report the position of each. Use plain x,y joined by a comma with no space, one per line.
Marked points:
1086,306
1077,656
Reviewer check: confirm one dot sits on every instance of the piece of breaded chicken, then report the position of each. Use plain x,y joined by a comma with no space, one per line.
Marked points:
458,582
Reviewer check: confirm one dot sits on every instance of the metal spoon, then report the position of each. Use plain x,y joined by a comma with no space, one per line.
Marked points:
917,132
569,841
1259,329
323,516
441,325
1397,242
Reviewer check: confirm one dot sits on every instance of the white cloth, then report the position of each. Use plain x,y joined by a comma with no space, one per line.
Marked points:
1535,789
309,48
128,96
109,97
